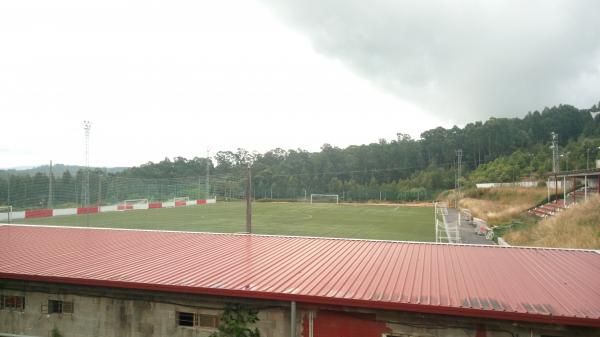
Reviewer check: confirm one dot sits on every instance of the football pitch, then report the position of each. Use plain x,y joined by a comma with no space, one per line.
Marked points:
386,222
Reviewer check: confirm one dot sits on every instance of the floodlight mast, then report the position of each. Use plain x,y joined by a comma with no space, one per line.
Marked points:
87,125
555,160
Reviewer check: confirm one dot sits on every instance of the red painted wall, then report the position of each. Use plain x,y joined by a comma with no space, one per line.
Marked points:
155,205
180,203
38,213
329,323
200,202
87,210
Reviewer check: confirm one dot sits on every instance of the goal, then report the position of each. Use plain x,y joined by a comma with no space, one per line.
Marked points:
324,198
180,201
5,214
131,204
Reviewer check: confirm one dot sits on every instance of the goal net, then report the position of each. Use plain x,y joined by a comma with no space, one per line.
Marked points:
133,204
5,214
324,198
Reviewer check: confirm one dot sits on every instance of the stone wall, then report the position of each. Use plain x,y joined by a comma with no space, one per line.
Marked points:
108,313
99,312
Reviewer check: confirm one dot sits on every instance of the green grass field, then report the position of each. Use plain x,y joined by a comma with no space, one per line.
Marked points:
345,221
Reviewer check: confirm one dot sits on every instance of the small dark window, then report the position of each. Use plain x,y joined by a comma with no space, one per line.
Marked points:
12,302
59,307
202,320
185,319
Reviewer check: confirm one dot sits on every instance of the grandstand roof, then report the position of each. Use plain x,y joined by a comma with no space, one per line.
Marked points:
575,173
526,284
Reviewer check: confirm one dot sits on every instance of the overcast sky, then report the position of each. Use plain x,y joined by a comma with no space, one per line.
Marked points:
173,78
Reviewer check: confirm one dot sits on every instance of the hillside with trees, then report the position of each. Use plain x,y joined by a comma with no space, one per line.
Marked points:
498,150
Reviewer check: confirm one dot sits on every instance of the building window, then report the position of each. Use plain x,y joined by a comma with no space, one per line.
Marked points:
201,320
60,307
185,319
208,321
12,302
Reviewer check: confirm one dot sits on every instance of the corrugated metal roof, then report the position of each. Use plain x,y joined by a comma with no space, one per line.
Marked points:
528,284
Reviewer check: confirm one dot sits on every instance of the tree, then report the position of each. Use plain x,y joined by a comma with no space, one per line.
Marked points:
235,321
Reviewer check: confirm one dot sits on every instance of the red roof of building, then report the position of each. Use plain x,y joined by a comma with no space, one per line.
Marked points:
527,284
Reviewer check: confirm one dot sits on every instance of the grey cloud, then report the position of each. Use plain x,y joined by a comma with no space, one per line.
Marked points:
463,60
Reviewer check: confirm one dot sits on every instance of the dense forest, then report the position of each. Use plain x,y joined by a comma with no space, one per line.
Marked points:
497,150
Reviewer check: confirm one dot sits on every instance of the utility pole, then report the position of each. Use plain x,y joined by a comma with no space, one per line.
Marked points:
50,178
459,154
588,156
99,201
207,174
566,155
249,201
531,155
8,191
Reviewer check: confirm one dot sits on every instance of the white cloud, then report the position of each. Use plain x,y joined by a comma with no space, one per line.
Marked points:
465,59
173,78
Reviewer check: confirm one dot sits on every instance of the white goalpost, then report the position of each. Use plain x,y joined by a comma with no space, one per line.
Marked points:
324,198
5,213
180,201
131,204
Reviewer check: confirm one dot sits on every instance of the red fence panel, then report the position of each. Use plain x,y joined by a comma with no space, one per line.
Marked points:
38,213
88,210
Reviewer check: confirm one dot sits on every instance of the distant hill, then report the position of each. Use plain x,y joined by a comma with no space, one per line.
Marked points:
57,170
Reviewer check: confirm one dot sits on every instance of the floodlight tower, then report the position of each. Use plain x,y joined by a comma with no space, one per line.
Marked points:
459,154
555,162
87,125
555,155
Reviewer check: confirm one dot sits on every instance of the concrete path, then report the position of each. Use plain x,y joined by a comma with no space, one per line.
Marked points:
467,231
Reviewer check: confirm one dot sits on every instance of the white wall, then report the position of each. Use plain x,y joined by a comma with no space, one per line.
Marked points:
517,184
109,208
17,215
64,211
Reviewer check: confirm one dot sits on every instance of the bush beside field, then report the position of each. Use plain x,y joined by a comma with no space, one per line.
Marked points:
500,205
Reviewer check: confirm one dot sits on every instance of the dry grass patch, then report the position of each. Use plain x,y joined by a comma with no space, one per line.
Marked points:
577,227
498,205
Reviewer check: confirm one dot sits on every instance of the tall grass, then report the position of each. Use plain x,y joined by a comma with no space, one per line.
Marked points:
576,227
498,205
